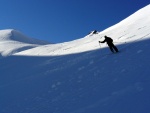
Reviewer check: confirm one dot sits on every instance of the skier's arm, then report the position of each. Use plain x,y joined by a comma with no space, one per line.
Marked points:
102,41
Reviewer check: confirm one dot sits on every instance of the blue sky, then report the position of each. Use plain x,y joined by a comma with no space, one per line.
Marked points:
64,20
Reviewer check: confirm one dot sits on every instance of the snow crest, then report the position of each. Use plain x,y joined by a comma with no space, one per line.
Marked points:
12,41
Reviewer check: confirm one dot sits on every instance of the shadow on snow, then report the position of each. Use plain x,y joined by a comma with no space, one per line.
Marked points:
88,82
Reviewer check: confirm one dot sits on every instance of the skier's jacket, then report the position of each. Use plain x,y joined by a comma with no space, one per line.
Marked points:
108,40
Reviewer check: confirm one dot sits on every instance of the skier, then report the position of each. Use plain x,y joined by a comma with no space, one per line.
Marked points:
109,41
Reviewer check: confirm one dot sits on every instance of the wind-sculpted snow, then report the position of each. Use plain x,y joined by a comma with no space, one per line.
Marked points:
12,41
80,76
14,35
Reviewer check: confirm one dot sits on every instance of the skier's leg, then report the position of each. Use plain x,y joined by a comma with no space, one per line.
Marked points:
115,48
111,48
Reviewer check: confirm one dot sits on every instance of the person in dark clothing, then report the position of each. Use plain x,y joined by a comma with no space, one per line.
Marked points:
109,42
94,32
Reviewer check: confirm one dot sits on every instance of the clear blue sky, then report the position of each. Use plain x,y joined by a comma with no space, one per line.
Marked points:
64,20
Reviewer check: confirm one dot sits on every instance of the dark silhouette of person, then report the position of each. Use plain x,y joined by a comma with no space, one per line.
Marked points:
109,42
94,32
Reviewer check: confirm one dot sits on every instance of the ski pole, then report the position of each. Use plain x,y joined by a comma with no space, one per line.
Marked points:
99,43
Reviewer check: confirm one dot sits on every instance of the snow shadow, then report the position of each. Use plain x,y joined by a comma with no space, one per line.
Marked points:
89,82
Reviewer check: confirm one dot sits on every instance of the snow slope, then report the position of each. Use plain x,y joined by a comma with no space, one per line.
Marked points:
12,41
135,27
81,77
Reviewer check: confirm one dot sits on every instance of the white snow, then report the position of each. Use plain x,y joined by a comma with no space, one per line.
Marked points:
12,41
79,76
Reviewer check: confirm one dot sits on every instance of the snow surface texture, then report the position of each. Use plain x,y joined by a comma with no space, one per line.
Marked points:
80,76
12,41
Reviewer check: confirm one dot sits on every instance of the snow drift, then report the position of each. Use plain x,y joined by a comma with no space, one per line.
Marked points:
12,41
79,76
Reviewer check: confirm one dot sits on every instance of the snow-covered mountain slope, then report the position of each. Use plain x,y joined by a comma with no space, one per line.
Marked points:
90,82
135,27
80,77
12,41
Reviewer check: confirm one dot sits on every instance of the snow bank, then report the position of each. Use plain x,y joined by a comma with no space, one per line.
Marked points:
12,41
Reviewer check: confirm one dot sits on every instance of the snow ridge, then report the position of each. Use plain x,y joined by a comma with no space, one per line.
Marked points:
14,35
133,28
12,41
